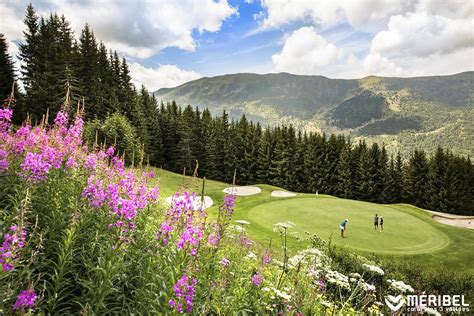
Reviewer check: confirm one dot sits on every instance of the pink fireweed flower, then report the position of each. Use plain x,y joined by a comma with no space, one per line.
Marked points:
3,160
61,121
184,291
25,300
245,241
256,279
5,119
266,259
228,204
71,163
61,118
35,167
91,161
191,236
10,250
110,151
214,235
94,192
225,262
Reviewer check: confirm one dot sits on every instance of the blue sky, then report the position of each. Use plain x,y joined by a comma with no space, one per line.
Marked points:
217,52
170,42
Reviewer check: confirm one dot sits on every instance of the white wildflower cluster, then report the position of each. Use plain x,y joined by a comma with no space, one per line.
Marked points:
400,286
236,228
295,260
366,286
354,277
281,227
276,293
374,269
327,304
312,257
282,294
251,256
356,280
338,279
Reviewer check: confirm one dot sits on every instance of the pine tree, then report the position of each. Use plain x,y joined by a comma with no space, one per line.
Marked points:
416,186
88,74
184,154
382,178
251,153
345,185
298,182
437,176
7,70
266,148
368,173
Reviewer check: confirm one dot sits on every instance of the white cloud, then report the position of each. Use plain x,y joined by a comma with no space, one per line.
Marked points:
304,52
420,34
423,44
165,76
381,66
281,12
137,28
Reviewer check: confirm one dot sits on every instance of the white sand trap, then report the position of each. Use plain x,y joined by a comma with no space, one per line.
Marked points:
279,193
242,191
208,202
453,219
466,223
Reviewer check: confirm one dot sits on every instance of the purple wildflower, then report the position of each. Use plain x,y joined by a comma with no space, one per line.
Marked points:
110,151
228,204
266,259
184,291
225,262
13,241
256,279
25,300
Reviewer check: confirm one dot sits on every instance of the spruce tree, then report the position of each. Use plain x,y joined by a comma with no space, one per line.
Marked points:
345,185
7,71
266,148
416,186
88,74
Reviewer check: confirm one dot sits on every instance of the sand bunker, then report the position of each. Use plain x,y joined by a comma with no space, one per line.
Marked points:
242,191
279,193
208,202
453,220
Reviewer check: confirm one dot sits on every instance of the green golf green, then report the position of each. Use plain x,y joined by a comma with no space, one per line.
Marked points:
403,233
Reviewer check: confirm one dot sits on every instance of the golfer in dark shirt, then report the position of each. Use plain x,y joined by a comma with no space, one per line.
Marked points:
376,222
381,223
342,226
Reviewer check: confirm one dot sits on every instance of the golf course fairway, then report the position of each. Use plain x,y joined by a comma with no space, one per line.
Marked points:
403,233
410,233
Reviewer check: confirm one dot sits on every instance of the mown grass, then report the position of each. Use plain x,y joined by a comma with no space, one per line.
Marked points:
410,234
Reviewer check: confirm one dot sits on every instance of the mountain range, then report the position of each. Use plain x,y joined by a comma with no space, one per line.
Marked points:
402,113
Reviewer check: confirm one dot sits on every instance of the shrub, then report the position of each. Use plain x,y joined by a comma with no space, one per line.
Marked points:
115,131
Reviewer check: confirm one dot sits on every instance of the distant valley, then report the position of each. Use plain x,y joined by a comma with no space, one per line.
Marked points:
403,113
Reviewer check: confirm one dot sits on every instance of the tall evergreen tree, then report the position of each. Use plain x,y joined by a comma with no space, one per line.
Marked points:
7,72
345,185
417,179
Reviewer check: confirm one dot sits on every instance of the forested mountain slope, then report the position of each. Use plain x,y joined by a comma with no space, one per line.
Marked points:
403,113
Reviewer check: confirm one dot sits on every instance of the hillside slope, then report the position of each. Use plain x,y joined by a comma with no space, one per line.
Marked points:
401,112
